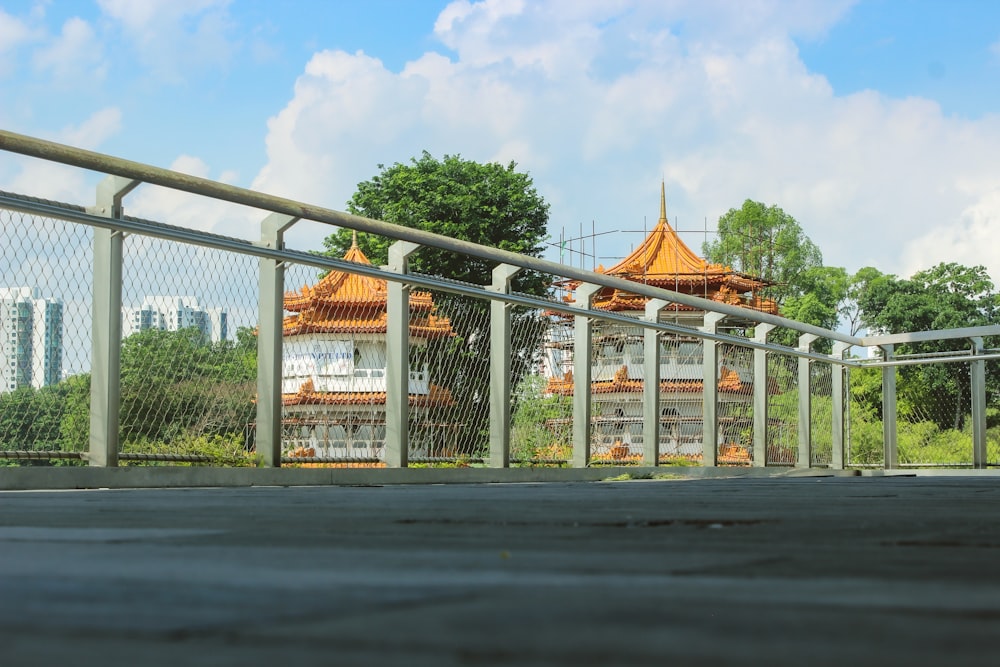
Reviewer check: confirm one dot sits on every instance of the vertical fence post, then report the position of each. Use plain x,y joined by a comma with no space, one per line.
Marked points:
837,394
710,388
805,402
397,372
500,367
270,300
651,425
582,329
889,410
106,325
760,385
977,376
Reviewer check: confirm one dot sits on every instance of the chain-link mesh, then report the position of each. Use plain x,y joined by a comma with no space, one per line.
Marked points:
449,379
616,392
333,369
735,407
864,423
934,414
782,410
189,354
45,322
992,412
188,372
541,430
934,425
681,399
821,412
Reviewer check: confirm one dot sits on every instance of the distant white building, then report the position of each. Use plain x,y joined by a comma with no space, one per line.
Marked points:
31,339
171,313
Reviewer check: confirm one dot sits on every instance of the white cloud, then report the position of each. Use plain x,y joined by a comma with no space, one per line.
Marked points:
95,130
542,84
515,32
75,56
174,37
50,180
600,100
183,209
13,33
967,239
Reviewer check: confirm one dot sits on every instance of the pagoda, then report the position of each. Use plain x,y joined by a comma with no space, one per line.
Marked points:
664,260
661,260
334,368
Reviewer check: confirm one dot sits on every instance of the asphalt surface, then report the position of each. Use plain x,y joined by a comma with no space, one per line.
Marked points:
811,571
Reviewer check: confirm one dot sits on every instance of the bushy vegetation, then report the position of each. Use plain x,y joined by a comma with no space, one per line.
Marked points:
539,425
180,394
216,449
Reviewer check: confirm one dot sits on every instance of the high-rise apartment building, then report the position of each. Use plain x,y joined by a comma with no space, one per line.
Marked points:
171,313
31,339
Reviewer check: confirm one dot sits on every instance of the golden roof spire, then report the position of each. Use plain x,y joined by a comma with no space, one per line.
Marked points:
354,238
663,255
663,202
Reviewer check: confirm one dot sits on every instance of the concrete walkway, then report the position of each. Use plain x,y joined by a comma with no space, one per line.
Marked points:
811,571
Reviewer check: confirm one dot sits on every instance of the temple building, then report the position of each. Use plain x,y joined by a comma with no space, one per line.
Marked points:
662,260
334,368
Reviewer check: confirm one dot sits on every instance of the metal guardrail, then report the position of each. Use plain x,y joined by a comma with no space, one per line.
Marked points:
109,223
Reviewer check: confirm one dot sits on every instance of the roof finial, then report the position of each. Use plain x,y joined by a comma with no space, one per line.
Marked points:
663,202
354,239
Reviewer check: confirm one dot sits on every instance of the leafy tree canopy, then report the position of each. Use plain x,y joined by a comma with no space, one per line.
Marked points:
489,204
821,302
946,296
856,289
768,243
177,383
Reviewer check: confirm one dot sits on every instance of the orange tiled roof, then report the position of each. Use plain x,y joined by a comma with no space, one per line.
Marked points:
341,287
664,260
664,257
343,302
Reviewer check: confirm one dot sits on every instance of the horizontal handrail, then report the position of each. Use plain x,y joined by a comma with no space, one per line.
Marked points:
107,164
133,225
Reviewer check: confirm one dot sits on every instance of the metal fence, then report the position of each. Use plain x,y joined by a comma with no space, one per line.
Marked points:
865,425
129,341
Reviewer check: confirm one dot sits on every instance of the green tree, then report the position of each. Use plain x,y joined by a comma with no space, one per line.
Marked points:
176,383
856,290
489,204
946,296
74,429
30,418
822,301
767,243
178,390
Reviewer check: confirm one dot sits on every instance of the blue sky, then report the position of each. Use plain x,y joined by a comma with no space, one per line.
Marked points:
875,123
934,49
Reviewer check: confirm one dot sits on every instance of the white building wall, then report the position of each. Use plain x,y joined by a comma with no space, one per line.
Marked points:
30,349
218,324
170,313
341,364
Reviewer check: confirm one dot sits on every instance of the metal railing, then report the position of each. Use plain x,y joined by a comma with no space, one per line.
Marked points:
529,381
